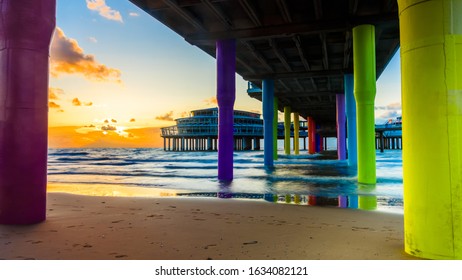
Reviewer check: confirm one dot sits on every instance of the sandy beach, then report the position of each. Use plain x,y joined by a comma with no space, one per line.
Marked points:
168,228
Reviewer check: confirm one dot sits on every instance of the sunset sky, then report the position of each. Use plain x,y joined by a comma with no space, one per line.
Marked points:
117,74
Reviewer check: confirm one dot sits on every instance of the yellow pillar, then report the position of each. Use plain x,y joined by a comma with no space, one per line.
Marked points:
296,134
431,67
287,130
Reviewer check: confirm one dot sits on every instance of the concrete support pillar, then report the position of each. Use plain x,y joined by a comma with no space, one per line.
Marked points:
382,142
209,143
431,75
350,109
318,143
341,134
275,129
25,32
311,136
296,134
248,144
268,118
256,144
287,124
364,90
226,95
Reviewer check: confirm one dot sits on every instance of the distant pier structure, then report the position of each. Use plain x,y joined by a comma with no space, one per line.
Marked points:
199,131
388,136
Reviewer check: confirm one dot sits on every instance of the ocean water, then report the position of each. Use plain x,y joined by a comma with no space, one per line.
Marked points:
303,179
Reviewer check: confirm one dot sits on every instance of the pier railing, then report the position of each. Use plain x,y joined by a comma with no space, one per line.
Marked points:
209,130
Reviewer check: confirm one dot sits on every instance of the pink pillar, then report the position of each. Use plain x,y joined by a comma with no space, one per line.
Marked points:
26,28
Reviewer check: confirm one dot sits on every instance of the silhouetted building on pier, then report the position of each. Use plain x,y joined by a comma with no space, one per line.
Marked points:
199,132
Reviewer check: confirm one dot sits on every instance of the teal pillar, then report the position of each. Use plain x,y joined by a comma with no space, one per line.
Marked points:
350,109
364,91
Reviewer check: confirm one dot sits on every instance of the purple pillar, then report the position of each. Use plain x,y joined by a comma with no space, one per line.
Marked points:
342,201
341,123
26,28
226,94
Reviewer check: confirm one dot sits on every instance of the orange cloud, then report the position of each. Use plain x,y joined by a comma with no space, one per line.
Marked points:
211,101
54,92
53,105
167,117
67,57
77,102
132,120
109,127
104,10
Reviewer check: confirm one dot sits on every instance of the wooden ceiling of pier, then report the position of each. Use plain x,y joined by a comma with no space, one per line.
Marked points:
304,45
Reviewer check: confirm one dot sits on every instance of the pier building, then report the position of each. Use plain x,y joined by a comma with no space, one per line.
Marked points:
199,131
389,135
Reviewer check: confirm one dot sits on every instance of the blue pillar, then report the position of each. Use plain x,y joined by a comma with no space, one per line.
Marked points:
226,95
350,107
353,201
268,116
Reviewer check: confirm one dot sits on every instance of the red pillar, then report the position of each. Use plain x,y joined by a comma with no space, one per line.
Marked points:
312,136
26,28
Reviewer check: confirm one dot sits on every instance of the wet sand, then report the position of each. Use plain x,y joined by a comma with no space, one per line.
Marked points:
108,228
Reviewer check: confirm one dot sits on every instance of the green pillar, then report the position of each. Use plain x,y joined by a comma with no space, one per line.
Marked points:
275,129
367,200
431,75
287,130
364,90
296,134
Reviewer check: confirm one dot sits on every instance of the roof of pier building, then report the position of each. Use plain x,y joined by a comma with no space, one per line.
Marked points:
304,45
204,123
214,112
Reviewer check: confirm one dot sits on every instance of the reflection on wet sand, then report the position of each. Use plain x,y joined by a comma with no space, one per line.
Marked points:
363,201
